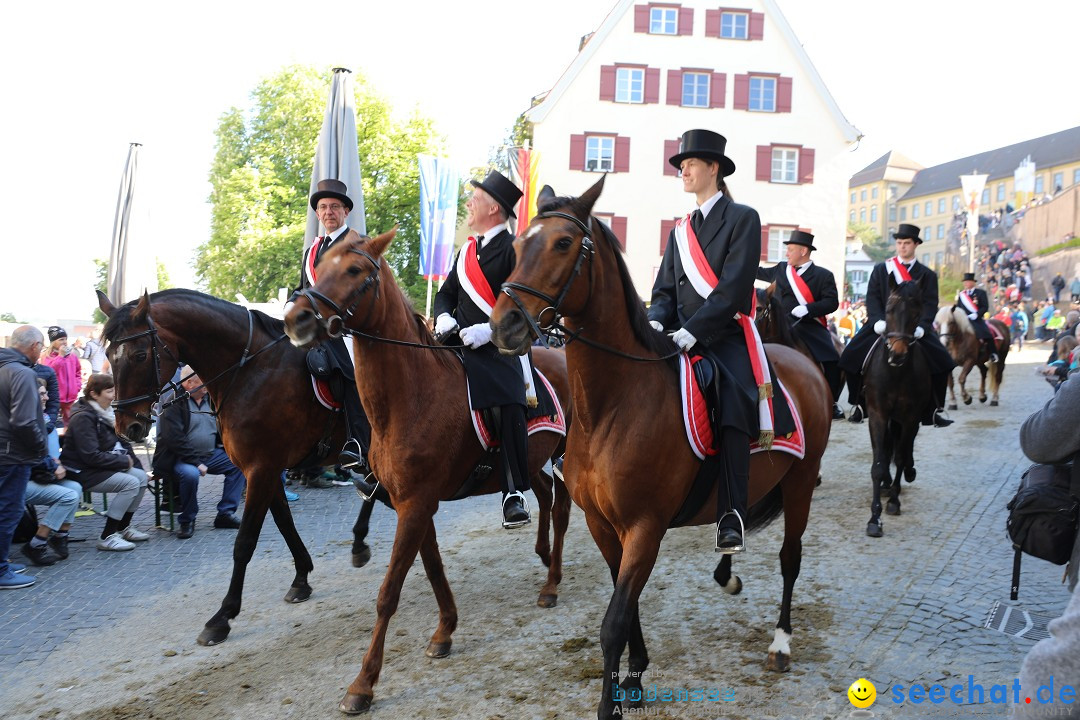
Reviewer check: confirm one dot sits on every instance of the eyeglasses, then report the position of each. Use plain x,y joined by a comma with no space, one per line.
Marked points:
332,208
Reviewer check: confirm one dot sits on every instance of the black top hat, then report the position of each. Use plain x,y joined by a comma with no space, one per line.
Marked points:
502,190
56,332
704,144
798,237
331,189
968,276
908,231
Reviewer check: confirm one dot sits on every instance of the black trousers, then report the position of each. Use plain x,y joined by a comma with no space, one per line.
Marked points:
358,427
939,385
734,476
514,441
832,376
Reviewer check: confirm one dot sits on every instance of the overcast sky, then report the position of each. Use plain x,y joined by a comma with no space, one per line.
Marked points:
82,80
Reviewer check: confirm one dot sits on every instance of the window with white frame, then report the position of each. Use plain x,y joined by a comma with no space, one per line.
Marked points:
929,208
941,231
599,153
663,20
762,94
873,193
777,236
734,25
941,206
955,202
873,214
862,195
630,85
939,258
853,195
1076,176
892,213
857,276
1000,192
1059,181
915,211
852,216
903,214
1039,183
926,259
785,165
862,215
695,89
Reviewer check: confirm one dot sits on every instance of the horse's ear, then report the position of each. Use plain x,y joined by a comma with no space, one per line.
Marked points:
105,304
545,194
892,282
589,198
379,243
142,308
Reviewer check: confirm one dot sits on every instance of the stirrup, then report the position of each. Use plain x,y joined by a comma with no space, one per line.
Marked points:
347,453
525,504
742,532
557,468
361,484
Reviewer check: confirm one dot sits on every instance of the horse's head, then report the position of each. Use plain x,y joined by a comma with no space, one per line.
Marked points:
768,313
346,294
140,369
552,252
902,313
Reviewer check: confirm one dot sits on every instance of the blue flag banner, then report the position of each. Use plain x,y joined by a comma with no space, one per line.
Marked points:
438,216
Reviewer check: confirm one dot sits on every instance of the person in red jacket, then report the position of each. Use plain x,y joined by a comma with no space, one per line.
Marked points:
65,363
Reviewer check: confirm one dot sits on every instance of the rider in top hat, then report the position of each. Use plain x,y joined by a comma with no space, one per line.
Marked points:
464,304
808,294
975,304
705,306
903,268
332,205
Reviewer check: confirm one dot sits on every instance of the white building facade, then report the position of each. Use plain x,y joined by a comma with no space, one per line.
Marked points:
654,70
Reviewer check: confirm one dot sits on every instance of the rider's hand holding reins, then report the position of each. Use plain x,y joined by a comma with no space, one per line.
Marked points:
800,311
683,339
445,324
476,335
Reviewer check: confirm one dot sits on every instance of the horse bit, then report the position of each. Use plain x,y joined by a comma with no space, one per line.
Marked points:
334,325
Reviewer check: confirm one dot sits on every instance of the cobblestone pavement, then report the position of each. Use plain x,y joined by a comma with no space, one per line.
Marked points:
904,609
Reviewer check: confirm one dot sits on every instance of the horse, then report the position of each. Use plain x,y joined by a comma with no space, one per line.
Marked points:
773,324
423,443
625,465
896,387
966,350
249,375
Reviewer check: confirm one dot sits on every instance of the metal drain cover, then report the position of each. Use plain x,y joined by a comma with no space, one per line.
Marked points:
1017,622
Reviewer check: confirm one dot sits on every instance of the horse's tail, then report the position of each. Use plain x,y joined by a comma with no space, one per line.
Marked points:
765,510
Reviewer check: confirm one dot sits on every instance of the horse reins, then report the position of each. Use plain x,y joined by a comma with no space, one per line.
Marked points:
334,326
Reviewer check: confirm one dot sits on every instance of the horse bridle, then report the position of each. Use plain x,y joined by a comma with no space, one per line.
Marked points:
586,250
334,325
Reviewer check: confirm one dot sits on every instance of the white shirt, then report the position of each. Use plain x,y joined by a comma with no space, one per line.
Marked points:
337,233
708,204
488,234
802,268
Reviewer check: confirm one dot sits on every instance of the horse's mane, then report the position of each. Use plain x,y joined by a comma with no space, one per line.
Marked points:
654,341
120,322
784,329
957,316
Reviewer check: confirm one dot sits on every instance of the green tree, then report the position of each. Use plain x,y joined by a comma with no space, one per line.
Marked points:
261,174
10,317
876,248
101,274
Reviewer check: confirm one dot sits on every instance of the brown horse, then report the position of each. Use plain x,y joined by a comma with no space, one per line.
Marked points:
627,466
773,324
967,352
423,445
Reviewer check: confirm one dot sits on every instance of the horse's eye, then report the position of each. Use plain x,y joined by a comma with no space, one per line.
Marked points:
563,243
354,270
140,356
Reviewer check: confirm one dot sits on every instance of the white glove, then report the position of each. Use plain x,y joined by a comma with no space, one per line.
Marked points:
879,327
799,311
972,315
919,332
288,307
684,339
444,324
657,325
476,335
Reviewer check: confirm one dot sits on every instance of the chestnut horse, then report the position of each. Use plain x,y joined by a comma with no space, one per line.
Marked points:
627,464
250,375
967,352
423,444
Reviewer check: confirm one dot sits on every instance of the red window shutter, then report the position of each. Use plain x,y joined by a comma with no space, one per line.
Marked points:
671,148
712,23
757,26
674,87
652,85
764,162
686,21
783,94
717,89
742,92
666,226
618,226
607,82
641,18
806,165
577,152
622,154
765,242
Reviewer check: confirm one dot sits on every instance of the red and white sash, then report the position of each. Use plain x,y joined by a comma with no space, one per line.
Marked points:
898,269
309,263
802,292
703,280
968,302
472,280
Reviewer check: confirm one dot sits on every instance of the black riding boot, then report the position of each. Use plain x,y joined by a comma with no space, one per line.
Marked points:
939,384
854,397
354,454
732,491
832,377
513,440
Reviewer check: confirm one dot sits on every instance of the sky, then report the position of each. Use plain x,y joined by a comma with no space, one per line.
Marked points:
935,80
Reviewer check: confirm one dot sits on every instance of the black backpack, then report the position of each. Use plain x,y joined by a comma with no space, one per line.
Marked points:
27,527
1044,515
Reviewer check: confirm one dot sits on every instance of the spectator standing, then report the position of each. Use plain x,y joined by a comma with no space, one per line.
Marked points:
95,353
1074,289
52,407
65,363
22,438
1058,284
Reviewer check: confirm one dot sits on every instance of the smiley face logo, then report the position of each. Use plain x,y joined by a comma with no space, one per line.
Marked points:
862,693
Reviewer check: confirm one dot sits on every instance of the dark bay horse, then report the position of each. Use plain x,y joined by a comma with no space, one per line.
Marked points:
627,464
147,338
423,445
967,352
773,324
896,386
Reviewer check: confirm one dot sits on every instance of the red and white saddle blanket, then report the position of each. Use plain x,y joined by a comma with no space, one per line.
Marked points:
696,417
554,423
995,332
323,394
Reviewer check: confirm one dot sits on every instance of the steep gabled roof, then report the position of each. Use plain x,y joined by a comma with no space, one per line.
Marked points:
539,112
876,170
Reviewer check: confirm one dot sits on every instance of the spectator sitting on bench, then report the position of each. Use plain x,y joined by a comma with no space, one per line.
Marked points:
189,447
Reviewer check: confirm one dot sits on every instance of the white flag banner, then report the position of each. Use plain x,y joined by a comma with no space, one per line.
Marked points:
1024,176
972,187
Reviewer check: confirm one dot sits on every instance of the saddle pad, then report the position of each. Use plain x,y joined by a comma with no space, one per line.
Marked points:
695,415
323,394
998,337
555,423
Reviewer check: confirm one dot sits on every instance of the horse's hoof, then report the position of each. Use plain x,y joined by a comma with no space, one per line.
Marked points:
993,403
361,558
892,508
873,529
952,406
548,601
438,649
734,585
298,594
967,401
818,483
354,704
213,635
909,475
778,662
982,399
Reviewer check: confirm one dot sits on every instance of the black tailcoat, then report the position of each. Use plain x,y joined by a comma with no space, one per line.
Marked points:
823,287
